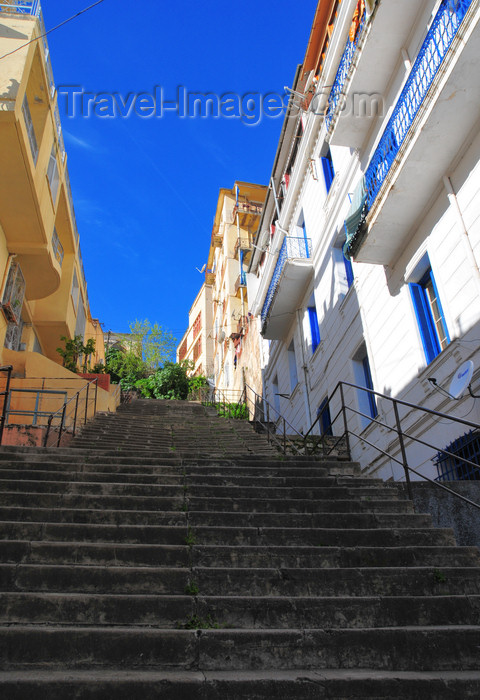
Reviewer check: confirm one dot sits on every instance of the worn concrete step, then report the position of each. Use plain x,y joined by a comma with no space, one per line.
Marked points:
231,536
323,537
335,520
297,505
171,501
301,684
78,498
393,581
248,612
106,554
117,554
87,532
331,556
129,515
94,516
394,649
94,579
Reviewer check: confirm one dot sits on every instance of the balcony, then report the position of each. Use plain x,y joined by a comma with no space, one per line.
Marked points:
438,105
291,275
248,213
22,7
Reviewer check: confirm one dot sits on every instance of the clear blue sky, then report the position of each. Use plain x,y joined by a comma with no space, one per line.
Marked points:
145,190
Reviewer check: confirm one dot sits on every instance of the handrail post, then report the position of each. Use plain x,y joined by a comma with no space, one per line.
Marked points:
402,449
345,420
96,397
75,416
49,425
6,399
86,406
62,424
284,437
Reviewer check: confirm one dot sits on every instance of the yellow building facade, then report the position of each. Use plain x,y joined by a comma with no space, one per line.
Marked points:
236,356
43,291
196,345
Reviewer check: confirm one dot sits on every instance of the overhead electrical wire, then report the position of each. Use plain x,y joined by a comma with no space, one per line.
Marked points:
42,36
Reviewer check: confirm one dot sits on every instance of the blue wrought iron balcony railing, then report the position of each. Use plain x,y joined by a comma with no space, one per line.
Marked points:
23,7
426,67
292,249
336,93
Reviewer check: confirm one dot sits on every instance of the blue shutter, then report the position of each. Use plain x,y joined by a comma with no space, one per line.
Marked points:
426,325
307,252
348,270
369,385
325,419
314,329
328,171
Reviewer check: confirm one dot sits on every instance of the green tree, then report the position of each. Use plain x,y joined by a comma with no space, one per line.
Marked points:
154,344
74,350
125,368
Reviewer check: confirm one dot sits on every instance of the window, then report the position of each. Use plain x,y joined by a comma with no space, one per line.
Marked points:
75,290
328,170
81,320
452,468
276,397
367,404
197,326
292,364
182,351
314,327
430,318
52,173
325,421
197,349
30,130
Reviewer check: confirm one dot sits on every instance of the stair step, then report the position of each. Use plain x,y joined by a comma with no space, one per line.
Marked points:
301,684
407,648
171,553
239,612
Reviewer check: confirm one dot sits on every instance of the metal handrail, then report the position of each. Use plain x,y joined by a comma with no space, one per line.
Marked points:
271,437
5,393
35,413
348,433
62,411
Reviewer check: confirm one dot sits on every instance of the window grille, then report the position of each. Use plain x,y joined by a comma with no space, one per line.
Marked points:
451,467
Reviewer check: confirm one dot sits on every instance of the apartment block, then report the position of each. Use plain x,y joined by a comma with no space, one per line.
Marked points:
366,265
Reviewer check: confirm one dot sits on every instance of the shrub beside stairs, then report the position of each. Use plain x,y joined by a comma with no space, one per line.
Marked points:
170,554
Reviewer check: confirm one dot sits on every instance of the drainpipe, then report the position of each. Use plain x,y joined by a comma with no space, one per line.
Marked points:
452,197
305,371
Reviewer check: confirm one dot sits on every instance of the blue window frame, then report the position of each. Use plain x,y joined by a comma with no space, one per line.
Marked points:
325,419
328,170
430,318
372,404
305,237
314,327
348,270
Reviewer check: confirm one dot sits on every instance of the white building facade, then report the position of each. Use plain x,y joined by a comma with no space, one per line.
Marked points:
366,269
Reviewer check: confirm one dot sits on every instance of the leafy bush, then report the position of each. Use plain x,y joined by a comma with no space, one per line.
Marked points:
237,411
170,382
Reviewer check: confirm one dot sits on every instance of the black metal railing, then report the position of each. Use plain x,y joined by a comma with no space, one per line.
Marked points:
268,419
73,413
5,394
346,410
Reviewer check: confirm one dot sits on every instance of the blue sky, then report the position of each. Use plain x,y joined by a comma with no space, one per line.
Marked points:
145,189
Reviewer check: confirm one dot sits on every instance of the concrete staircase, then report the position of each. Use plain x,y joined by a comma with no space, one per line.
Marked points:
170,554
